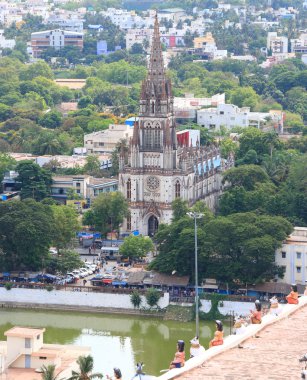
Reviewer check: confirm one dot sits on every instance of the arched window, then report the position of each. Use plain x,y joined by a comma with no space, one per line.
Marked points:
129,189
157,138
177,189
152,107
129,222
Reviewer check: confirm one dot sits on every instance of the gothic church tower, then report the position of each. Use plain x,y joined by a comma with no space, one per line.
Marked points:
158,171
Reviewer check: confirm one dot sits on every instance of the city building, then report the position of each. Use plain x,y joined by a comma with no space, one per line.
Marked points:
277,44
299,45
68,24
292,256
86,186
230,116
206,47
24,353
57,39
157,170
185,108
103,142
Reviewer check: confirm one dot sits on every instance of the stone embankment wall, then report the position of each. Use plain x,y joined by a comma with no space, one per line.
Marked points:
71,300
229,307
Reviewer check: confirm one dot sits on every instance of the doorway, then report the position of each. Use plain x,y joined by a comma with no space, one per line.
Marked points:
153,225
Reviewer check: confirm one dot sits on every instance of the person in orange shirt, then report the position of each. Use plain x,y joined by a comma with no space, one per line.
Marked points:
218,335
179,358
292,297
256,315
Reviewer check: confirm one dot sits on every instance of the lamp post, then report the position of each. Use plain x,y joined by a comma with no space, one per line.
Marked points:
195,216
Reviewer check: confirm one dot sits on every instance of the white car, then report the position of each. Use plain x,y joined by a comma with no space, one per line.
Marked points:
73,275
84,271
77,273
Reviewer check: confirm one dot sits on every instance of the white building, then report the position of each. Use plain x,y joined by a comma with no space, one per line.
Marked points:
277,44
299,45
57,39
103,142
230,116
293,257
71,24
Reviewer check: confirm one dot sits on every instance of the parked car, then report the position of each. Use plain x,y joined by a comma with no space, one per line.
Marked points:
77,273
84,271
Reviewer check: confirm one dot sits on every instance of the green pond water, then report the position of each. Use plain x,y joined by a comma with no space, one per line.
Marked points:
115,340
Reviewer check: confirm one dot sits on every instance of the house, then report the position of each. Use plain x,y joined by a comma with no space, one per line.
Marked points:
103,142
299,45
24,353
230,116
206,47
86,186
277,44
292,256
57,39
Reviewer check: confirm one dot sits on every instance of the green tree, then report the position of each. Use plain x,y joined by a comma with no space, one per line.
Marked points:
65,262
244,97
6,163
152,296
51,120
136,247
108,211
180,208
34,70
247,176
92,165
86,366
136,299
72,194
48,373
27,231
35,181
66,225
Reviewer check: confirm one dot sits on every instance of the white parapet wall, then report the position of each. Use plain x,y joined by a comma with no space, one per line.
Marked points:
232,341
69,298
229,307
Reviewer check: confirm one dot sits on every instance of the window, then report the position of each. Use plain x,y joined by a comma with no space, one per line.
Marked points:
156,138
78,184
43,357
27,343
283,255
148,134
298,255
101,144
78,191
298,269
129,223
129,189
152,107
221,112
177,189
38,336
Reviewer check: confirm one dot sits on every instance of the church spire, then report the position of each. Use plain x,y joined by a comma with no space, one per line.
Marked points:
156,64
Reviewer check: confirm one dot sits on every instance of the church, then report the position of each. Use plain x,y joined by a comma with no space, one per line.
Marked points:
157,170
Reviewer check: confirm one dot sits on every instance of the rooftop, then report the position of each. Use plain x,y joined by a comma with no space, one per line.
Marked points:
24,332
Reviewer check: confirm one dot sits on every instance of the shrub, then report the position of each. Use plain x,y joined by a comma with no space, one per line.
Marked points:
136,299
152,297
8,286
49,288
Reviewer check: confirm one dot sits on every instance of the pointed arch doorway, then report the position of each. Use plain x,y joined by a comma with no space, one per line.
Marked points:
153,225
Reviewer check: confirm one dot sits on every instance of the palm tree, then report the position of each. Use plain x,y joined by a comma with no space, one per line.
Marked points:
48,373
86,365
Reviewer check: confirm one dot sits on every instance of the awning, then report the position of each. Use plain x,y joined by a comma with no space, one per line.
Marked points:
107,281
119,283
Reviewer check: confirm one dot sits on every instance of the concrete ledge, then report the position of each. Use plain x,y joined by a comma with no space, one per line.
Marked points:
232,341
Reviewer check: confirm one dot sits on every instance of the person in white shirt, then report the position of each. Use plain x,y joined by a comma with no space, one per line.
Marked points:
196,349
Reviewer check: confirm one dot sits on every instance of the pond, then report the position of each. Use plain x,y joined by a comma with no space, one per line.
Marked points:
115,340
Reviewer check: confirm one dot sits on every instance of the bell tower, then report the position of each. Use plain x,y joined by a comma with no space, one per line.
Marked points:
154,139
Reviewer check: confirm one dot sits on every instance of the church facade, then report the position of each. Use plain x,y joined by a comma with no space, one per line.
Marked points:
157,170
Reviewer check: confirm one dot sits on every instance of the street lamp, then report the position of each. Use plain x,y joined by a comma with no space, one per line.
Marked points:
195,216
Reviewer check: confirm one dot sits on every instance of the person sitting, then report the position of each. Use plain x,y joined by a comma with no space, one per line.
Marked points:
256,315
240,325
196,349
218,335
305,292
292,297
179,358
275,308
